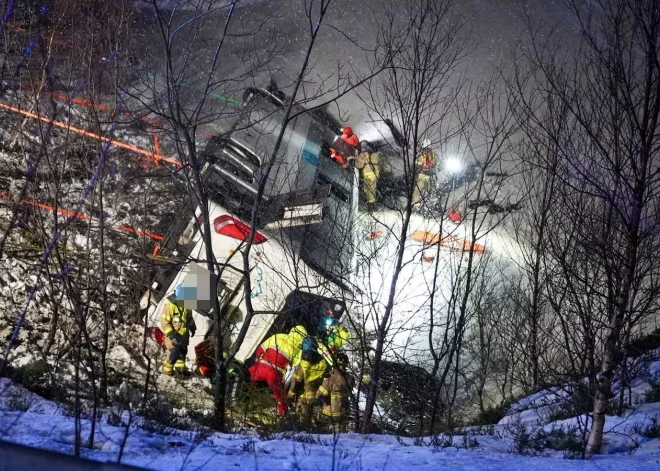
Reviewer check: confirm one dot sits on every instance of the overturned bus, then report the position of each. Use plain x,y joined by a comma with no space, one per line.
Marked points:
303,253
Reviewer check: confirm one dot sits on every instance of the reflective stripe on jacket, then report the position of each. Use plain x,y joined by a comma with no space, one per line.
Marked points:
371,167
426,159
280,350
274,358
337,386
175,318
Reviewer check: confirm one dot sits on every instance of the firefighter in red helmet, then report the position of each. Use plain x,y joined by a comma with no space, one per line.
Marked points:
345,147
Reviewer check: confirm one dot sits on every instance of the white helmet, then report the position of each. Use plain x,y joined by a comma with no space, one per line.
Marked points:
426,143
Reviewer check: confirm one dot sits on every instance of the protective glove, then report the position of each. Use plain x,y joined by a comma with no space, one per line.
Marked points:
174,338
192,328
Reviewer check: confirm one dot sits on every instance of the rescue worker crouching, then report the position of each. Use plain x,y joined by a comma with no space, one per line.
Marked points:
424,170
178,326
334,394
307,377
273,358
316,358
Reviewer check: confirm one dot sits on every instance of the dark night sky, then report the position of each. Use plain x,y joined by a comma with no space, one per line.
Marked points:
495,26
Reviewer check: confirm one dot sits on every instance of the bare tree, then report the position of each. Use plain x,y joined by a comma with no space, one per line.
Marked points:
418,90
172,96
609,87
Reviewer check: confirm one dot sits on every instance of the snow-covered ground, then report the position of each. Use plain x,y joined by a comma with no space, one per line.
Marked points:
30,420
436,251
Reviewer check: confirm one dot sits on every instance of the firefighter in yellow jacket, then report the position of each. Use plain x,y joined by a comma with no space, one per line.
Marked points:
315,360
424,169
368,162
178,326
273,357
335,392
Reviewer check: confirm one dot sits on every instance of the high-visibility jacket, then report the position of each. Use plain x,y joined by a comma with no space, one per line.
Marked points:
426,160
306,379
337,336
281,350
177,319
334,155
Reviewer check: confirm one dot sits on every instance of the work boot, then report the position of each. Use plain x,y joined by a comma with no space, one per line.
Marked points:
167,369
182,373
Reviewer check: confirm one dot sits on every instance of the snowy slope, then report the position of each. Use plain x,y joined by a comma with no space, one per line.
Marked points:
622,433
43,424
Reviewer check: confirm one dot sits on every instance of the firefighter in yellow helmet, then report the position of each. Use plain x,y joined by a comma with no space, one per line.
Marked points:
178,326
424,168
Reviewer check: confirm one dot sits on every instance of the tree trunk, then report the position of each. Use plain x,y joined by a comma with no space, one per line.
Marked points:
604,385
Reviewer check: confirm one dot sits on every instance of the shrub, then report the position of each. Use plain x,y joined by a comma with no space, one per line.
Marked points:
651,430
20,404
114,419
527,442
482,430
562,440
492,415
307,438
248,446
645,344
653,393
443,441
203,418
578,403
469,441
159,418
114,378
36,377
524,442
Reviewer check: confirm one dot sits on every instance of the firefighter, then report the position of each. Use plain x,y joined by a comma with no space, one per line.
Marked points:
351,139
316,359
345,147
368,164
424,169
334,394
178,326
273,358
308,376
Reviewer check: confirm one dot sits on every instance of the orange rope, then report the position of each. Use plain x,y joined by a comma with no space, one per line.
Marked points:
83,217
448,241
157,155
98,106
68,127
23,29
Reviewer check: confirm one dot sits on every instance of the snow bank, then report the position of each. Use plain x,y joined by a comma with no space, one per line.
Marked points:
44,425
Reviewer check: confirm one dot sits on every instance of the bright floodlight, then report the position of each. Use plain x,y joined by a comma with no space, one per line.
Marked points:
453,165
